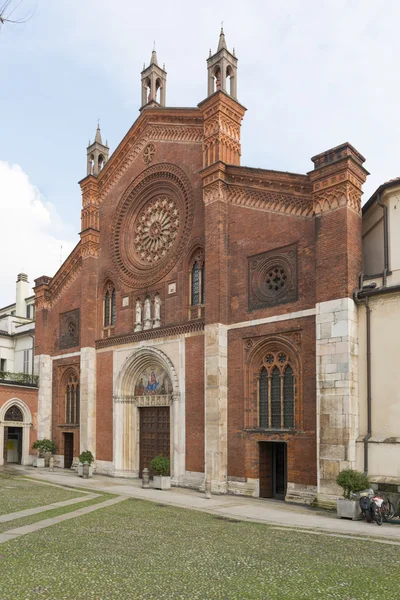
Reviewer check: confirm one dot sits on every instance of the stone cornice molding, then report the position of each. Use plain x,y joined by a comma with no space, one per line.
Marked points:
150,334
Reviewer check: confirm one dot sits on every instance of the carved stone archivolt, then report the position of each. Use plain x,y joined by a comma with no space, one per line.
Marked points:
272,277
152,225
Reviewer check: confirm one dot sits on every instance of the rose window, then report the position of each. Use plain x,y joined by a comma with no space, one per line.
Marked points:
156,229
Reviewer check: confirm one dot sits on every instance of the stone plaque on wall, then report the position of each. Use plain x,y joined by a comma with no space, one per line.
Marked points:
69,329
272,277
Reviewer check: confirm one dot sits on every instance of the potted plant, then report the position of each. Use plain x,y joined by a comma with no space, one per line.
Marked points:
160,465
85,456
42,447
350,481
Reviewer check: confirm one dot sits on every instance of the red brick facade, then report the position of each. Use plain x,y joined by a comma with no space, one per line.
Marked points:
261,230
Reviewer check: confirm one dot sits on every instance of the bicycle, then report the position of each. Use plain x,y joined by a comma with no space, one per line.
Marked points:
387,510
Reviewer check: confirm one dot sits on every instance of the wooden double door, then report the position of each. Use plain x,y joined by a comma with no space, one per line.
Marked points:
154,434
273,469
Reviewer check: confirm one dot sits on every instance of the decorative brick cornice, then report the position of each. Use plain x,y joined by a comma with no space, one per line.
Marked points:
344,194
182,125
300,206
48,292
151,334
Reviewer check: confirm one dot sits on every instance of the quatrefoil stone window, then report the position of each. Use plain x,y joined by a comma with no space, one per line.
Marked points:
148,153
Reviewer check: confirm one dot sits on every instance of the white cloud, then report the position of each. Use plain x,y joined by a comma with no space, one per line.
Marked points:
32,232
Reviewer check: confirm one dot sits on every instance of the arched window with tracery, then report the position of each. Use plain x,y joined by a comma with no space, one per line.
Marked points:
196,284
14,413
110,305
277,392
72,400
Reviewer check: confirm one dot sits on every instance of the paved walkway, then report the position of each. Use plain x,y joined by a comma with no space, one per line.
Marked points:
272,512
18,531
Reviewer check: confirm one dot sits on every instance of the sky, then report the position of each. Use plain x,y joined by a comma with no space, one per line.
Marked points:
312,75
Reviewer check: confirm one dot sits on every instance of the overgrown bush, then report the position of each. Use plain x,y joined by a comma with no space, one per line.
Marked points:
352,481
86,456
160,465
43,446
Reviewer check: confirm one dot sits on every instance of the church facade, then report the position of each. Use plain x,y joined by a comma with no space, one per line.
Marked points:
206,313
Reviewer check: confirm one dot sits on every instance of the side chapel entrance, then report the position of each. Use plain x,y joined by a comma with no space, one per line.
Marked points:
273,469
68,449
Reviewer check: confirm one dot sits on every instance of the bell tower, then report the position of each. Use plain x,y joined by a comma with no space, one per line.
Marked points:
222,112
154,83
221,66
97,154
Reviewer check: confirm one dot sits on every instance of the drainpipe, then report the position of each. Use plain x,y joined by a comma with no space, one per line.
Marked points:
367,437
385,238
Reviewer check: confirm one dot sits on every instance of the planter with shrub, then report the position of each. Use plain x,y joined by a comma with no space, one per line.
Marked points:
351,482
85,456
43,447
160,466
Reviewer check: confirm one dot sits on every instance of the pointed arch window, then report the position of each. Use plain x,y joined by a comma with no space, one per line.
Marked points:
72,401
110,306
277,392
14,413
197,279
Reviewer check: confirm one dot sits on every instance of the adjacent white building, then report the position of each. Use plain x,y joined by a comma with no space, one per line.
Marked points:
378,442
17,329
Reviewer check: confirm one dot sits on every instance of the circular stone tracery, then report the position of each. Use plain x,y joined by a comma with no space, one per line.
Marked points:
156,229
152,224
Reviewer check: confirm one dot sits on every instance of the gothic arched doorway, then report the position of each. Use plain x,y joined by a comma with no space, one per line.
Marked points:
15,423
147,416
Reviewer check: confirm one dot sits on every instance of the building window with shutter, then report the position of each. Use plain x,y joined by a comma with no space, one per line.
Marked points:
26,361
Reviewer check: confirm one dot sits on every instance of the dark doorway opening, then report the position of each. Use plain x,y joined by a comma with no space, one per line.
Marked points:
68,450
273,469
13,445
154,434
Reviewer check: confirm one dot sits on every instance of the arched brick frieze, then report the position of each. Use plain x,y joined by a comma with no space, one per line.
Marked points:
152,225
272,361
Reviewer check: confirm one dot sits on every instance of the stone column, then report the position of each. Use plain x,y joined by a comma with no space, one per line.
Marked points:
44,368
177,434
216,406
337,391
88,400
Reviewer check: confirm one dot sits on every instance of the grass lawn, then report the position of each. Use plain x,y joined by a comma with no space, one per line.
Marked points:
17,493
141,550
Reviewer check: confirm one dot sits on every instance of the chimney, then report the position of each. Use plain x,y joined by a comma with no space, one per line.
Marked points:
22,293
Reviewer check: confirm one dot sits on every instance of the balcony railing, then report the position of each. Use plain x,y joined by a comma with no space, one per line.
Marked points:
19,378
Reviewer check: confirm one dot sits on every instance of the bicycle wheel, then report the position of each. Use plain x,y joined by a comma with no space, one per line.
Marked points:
387,510
378,516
